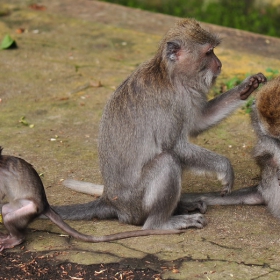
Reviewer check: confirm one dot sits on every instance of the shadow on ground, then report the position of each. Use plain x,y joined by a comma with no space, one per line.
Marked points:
53,87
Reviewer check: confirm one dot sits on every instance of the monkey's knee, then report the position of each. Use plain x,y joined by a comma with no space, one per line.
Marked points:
20,213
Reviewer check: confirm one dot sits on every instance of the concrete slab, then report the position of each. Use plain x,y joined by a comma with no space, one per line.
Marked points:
70,58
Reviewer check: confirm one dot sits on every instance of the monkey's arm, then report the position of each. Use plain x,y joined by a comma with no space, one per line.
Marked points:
267,192
202,160
220,107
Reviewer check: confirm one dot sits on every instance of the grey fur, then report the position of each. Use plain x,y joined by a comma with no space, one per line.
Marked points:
143,138
84,187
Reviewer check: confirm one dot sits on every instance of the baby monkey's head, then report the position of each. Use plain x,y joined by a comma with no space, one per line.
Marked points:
268,107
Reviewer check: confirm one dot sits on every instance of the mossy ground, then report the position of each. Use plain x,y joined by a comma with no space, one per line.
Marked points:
68,46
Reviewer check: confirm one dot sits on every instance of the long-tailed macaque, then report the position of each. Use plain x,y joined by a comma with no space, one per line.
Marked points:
22,188
143,137
265,118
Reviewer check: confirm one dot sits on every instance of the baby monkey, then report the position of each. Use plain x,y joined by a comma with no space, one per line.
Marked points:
266,123
22,188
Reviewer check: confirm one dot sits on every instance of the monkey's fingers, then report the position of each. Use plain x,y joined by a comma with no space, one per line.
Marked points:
256,80
261,78
252,84
226,190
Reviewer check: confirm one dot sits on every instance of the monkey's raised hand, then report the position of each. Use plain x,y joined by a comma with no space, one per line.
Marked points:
250,84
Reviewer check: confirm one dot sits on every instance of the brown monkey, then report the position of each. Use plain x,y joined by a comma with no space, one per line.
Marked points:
266,122
143,138
22,187
265,118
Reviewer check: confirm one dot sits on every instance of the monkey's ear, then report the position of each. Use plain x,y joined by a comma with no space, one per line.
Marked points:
173,50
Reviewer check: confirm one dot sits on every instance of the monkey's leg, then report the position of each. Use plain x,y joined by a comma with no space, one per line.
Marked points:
16,216
202,160
162,181
248,196
269,184
86,211
185,207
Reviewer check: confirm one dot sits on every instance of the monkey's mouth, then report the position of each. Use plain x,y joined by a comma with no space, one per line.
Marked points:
218,72
214,79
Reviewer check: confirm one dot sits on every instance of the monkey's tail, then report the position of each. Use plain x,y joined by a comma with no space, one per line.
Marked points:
248,196
84,187
55,218
86,211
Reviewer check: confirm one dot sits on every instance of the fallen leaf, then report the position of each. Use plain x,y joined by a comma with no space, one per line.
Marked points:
37,7
96,84
8,43
63,98
20,30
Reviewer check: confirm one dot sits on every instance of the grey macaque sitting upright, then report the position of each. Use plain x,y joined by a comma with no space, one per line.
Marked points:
143,137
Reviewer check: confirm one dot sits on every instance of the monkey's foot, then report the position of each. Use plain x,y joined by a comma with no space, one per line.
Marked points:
187,221
9,242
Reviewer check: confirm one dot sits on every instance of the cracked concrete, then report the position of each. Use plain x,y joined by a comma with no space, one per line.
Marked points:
71,45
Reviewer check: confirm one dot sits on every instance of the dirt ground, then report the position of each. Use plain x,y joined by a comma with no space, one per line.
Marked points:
71,56
31,265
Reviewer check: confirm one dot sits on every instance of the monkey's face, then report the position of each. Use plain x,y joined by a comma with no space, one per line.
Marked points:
210,61
194,62
188,51
209,64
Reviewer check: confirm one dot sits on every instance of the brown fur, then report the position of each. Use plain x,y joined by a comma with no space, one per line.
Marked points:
268,106
189,30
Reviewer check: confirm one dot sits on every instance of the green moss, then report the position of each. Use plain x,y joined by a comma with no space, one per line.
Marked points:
245,15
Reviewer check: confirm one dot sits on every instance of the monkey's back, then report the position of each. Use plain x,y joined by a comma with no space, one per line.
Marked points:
141,120
19,180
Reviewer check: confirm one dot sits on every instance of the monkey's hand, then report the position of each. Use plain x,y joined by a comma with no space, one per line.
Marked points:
227,179
250,84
